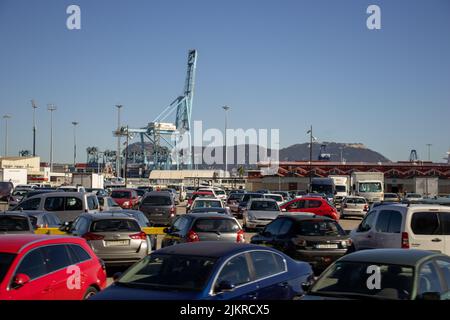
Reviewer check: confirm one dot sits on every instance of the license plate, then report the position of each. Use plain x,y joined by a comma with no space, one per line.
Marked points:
157,214
326,246
116,243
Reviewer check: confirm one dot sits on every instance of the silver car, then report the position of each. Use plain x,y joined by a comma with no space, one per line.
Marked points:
115,237
354,206
259,213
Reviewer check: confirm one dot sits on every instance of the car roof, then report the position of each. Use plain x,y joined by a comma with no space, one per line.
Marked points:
209,215
403,257
213,249
105,215
302,216
59,194
31,212
207,199
123,189
14,243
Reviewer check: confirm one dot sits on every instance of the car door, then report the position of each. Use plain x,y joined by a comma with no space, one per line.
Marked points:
388,229
236,272
315,206
34,266
270,274
426,231
363,236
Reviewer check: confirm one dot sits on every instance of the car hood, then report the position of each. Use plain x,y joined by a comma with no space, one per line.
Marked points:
117,292
264,214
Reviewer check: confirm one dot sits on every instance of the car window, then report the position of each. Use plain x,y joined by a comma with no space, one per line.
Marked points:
56,257
101,201
266,264
108,225
319,228
367,223
31,204
285,227
54,204
216,225
78,254
6,259
235,271
112,203
207,204
389,221
53,220
274,227
429,279
74,204
121,194
81,226
33,265
444,218
158,200
314,204
264,206
425,223
180,224
297,204
14,223
92,204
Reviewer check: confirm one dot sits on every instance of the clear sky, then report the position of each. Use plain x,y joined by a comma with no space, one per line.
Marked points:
278,64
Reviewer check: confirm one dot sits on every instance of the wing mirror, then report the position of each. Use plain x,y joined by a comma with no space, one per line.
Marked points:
66,226
20,280
306,286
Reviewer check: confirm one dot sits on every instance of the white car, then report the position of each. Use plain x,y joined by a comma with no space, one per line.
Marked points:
413,196
354,206
259,213
72,188
415,226
277,197
218,193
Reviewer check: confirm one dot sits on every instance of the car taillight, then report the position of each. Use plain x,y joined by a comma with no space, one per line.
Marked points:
102,263
93,236
405,240
139,236
172,211
192,236
240,237
366,207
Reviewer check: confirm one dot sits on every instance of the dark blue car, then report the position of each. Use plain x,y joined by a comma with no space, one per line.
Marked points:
211,271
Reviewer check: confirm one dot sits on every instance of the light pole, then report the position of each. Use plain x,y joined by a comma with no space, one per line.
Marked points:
119,106
6,117
74,144
429,151
34,106
226,108
51,108
310,131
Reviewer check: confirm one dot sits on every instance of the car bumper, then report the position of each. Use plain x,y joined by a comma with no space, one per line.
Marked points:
359,213
319,259
257,224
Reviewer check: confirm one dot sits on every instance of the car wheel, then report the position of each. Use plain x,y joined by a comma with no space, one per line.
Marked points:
91,291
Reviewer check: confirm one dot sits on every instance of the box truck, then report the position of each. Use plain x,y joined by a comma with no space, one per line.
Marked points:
342,186
88,180
15,176
426,186
369,185
323,185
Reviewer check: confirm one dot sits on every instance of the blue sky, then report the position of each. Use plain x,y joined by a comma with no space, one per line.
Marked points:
278,64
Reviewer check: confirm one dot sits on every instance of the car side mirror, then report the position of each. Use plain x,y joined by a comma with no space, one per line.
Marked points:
66,226
225,286
306,286
20,280
116,276
429,296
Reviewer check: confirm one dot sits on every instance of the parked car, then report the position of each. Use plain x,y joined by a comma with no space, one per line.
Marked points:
354,206
316,205
211,271
244,202
37,191
108,204
297,193
41,219
263,191
17,196
314,239
6,189
38,267
67,206
412,197
206,203
72,188
212,210
233,201
159,207
259,213
174,194
15,223
143,221
391,197
218,193
277,197
285,194
425,227
115,237
126,198
195,227
202,194
97,191
403,274
140,192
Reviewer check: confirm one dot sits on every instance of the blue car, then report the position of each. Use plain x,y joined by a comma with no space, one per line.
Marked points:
211,271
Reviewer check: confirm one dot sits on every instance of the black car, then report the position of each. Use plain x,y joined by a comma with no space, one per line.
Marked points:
318,240
384,274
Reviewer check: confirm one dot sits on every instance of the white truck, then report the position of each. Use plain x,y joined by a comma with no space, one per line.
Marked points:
15,176
427,186
88,180
369,185
342,187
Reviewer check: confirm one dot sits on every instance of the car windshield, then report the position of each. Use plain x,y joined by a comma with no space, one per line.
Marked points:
235,196
370,187
121,194
158,201
264,206
14,223
207,204
356,200
275,197
5,262
19,192
249,196
220,192
341,188
169,272
320,228
353,279
216,225
111,225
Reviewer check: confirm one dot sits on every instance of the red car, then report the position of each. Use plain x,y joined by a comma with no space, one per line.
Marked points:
318,206
43,267
126,198
202,194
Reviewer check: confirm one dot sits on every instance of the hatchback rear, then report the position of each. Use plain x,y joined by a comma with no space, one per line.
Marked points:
354,206
159,207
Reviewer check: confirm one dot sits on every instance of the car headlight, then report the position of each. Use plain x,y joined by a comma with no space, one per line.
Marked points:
126,203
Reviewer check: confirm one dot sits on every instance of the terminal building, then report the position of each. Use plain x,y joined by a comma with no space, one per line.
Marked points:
399,177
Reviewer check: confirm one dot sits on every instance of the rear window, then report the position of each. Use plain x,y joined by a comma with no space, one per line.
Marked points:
92,204
121,194
207,204
5,262
247,197
426,223
264,206
319,228
111,225
356,200
14,223
235,196
216,225
158,200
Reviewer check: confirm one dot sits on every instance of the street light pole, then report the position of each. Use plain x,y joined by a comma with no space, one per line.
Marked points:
126,161
51,108
6,117
310,131
74,144
226,108
429,151
119,106
34,106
